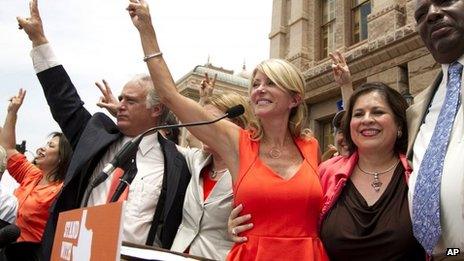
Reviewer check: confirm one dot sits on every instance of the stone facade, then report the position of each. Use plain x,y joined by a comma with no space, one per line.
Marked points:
226,81
393,52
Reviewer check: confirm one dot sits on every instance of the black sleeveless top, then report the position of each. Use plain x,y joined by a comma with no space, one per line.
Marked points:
353,230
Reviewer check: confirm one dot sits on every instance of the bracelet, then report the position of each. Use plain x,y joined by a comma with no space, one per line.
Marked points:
153,55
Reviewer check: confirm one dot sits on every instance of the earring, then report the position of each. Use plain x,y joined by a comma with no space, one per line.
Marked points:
399,133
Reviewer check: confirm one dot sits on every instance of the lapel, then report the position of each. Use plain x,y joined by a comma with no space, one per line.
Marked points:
222,189
172,171
199,196
416,113
99,133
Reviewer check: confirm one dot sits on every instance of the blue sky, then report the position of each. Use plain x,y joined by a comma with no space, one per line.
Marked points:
96,39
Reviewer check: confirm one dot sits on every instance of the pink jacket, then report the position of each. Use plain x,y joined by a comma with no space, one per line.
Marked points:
333,174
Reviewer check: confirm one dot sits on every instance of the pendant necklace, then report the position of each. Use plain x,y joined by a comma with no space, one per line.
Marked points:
215,173
274,153
376,183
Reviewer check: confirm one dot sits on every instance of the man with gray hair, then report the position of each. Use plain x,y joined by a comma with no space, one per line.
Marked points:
435,126
8,202
153,209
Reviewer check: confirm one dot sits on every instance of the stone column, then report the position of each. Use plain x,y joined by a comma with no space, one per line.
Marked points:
278,30
386,17
410,7
300,42
342,25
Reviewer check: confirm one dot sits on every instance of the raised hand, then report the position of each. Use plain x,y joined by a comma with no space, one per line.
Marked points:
342,75
16,101
329,153
107,101
206,88
207,85
340,69
33,25
140,14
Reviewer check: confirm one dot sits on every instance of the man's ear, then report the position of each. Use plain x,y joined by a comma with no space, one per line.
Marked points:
157,110
296,100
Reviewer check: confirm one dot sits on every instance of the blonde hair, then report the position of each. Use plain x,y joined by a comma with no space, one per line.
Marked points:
2,159
288,78
227,100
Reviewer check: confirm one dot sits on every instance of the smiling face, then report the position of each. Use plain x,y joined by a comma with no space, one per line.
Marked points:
47,158
440,24
268,99
372,126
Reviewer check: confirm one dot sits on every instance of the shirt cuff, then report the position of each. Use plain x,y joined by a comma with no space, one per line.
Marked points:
43,58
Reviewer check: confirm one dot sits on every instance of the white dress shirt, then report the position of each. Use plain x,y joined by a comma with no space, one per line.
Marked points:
8,206
144,190
452,179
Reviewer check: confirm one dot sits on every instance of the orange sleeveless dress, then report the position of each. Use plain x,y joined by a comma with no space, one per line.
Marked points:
284,212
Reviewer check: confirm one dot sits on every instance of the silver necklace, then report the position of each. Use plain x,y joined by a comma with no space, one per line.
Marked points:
376,183
215,173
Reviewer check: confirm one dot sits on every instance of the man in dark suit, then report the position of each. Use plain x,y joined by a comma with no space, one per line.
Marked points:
436,187
154,202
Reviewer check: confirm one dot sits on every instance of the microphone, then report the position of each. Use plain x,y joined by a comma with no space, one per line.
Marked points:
124,154
21,148
9,234
125,180
235,111
128,176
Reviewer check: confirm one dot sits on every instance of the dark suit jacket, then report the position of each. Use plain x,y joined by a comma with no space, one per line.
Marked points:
416,113
90,137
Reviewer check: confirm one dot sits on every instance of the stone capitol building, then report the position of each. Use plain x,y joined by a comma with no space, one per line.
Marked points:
377,37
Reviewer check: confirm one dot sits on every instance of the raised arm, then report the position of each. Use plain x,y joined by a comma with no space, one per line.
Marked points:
342,75
205,91
8,134
61,95
222,136
33,25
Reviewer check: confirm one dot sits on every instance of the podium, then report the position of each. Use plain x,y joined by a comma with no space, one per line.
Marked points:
95,233
92,233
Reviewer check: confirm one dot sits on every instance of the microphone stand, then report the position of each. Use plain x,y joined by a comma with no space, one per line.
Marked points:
130,148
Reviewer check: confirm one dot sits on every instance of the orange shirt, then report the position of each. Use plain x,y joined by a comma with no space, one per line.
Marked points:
33,200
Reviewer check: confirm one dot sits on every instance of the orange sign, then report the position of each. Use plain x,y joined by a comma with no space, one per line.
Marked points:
92,233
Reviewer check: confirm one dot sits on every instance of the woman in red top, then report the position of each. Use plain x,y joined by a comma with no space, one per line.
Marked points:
39,183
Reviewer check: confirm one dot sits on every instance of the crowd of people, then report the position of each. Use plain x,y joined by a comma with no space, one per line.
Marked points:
257,186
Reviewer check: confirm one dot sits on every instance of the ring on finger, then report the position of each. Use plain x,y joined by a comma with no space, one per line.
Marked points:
234,232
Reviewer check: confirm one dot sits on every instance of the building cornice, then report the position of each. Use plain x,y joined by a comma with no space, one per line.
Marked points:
390,50
387,9
282,30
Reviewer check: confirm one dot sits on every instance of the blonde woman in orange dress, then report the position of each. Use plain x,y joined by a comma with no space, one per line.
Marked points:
273,164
